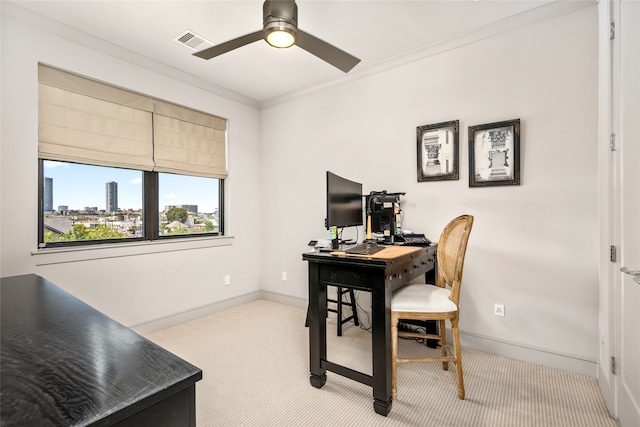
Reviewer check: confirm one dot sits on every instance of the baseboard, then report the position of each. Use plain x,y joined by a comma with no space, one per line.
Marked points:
515,351
193,314
206,310
284,299
539,356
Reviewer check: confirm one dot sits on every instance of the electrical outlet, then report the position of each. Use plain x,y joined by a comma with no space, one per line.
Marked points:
227,280
284,276
498,309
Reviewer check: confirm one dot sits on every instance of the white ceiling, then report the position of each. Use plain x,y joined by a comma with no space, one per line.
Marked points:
380,33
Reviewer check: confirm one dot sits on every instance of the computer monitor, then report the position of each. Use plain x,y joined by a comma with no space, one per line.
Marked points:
344,202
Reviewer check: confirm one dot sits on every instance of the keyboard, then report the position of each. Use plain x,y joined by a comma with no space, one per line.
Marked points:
365,249
413,240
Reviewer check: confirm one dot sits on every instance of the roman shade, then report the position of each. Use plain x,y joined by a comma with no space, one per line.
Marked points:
188,142
84,121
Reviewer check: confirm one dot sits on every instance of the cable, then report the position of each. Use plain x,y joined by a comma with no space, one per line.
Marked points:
368,329
412,328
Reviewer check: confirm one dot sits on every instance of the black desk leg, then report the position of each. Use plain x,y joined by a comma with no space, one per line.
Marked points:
381,342
317,317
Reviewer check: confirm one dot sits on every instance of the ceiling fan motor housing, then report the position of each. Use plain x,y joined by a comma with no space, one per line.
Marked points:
280,16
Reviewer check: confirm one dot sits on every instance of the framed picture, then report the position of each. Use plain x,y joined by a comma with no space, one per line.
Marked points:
438,151
494,154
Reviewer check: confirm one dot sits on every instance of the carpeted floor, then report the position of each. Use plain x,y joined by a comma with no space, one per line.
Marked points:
255,365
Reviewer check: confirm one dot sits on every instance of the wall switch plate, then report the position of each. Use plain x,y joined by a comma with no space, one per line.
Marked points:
498,309
284,276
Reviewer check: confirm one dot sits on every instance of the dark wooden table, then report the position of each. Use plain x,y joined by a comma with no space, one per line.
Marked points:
66,364
379,275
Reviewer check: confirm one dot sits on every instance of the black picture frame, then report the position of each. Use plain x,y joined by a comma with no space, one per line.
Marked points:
494,154
438,151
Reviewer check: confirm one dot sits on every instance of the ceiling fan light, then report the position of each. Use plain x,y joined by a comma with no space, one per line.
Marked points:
280,34
280,39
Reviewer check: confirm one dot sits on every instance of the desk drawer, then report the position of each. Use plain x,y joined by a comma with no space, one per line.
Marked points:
409,270
357,278
396,273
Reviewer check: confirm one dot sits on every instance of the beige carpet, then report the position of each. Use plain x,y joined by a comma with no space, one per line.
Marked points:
255,367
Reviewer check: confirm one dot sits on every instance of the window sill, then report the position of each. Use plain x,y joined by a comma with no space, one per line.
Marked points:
88,253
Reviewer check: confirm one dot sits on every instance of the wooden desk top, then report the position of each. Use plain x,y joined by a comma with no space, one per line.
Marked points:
390,252
385,259
65,363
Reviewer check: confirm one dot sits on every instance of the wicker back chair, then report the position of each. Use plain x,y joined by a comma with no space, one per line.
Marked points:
438,302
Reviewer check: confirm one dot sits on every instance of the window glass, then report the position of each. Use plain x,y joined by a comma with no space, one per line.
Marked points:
84,202
188,205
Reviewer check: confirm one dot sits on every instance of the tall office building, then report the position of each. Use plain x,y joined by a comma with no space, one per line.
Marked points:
48,194
112,196
190,208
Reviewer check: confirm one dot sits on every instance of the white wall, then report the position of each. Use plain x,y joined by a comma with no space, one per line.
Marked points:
144,286
533,247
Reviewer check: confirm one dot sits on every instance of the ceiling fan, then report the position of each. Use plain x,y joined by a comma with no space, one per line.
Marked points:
280,29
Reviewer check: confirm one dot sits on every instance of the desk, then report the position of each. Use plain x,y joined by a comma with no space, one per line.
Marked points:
378,274
65,363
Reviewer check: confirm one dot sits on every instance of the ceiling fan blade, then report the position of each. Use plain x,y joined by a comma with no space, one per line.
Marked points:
225,47
327,52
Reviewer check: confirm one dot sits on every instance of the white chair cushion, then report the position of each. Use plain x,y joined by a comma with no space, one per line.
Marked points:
422,298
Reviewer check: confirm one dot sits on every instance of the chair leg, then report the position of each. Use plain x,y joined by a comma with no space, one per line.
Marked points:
442,329
456,349
340,303
394,355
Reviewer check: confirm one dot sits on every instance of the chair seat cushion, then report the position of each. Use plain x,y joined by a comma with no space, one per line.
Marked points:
422,298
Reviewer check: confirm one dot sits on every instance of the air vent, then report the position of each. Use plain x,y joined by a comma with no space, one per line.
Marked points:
193,41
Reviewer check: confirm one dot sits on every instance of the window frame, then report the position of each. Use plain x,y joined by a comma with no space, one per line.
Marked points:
150,215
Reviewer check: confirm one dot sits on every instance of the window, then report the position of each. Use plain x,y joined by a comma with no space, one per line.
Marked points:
189,205
85,204
118,166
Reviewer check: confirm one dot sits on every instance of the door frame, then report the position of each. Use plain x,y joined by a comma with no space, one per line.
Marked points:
611,112
607,186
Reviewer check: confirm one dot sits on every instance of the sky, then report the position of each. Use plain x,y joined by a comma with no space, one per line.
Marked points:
78,186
